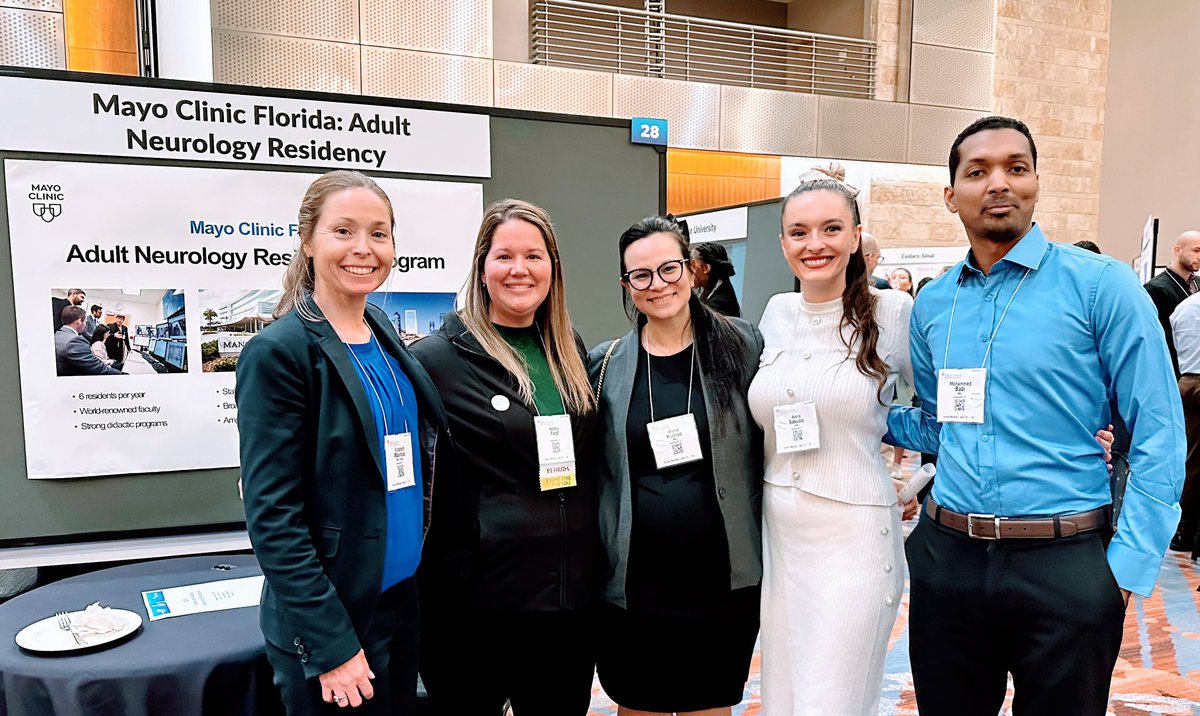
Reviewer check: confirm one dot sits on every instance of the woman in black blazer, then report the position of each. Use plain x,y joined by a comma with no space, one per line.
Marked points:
509,587
339,429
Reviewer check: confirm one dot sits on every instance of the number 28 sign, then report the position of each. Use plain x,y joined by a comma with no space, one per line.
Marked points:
644,130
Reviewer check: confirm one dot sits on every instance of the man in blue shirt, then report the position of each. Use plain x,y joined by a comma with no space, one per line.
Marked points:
1016,351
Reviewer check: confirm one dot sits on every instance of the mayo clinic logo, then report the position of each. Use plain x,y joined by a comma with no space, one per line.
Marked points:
47,201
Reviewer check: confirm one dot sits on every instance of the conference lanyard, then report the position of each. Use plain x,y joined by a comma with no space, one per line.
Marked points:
961,392
1185,286
397,449
399,393
674,441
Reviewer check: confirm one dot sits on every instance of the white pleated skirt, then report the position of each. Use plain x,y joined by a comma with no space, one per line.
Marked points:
833,574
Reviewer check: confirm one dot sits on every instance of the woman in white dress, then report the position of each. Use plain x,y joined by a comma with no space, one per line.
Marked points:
833,555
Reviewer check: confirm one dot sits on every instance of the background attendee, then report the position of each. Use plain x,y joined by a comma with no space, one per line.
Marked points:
833,565
1176,283
71,350
92,320
1011,568
511,582
870,249
1088,245
96,342
1185,327
901,280
682,534
339,429
712,270
117,344
75,297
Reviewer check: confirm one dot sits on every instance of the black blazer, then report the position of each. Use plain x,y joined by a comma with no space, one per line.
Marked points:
504,544
56,307
1167,291
313,479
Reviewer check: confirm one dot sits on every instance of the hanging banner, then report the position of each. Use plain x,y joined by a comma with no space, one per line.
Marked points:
174,270
170,124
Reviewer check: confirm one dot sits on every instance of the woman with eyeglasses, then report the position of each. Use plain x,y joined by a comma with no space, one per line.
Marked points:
680,489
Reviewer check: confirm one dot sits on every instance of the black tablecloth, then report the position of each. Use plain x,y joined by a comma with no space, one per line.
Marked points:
210,664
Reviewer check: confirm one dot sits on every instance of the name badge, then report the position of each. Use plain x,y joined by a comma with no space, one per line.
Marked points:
796,427
675,441
960,395
397,452
556,451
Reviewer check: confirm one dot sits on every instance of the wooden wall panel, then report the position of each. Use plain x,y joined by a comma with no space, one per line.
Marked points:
101,36
699,180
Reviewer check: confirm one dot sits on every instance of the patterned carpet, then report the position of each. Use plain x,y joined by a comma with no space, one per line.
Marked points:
1157,674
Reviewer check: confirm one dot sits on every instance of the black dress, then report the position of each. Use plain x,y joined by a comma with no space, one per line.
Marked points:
685,640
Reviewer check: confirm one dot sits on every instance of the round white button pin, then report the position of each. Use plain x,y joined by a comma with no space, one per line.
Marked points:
500,402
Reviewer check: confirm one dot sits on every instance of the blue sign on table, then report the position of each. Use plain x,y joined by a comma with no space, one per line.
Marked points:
644,130
157,604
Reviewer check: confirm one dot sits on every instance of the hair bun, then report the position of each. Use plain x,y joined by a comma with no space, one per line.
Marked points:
834,171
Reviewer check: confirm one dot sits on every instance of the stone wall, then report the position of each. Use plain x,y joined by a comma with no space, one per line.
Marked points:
909,212
885,22
1051,72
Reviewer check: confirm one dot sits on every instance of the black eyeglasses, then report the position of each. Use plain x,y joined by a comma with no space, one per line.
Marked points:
640,279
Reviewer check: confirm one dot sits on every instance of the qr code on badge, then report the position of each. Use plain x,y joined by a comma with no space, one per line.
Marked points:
797,435
676,448
960,404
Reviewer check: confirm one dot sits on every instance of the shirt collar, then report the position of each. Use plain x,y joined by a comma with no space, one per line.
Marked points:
1027,253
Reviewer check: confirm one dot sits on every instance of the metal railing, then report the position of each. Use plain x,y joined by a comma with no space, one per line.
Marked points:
568,33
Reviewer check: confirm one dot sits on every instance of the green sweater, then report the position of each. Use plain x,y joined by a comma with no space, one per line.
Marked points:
528,343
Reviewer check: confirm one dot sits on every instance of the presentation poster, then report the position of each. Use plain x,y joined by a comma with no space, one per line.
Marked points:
174,269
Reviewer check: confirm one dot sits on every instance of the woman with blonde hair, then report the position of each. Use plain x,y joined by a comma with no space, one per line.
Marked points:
510,572
340,433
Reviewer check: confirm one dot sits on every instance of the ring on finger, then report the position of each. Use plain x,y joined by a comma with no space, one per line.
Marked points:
339,698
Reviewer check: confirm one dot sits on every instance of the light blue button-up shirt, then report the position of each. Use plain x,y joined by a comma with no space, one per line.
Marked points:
1079,330
1185,331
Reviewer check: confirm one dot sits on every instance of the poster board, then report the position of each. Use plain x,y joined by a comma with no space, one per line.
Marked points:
106,487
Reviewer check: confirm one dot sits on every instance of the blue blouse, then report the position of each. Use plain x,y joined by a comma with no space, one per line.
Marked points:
404,506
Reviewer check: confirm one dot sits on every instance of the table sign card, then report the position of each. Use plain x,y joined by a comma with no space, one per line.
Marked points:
206,597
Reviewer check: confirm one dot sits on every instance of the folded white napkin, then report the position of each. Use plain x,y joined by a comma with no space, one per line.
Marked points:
97,620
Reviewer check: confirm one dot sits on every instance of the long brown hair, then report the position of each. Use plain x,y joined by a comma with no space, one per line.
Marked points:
299,279
562,355
858,304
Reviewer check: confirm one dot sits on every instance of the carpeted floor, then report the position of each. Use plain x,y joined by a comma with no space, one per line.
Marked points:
1157,674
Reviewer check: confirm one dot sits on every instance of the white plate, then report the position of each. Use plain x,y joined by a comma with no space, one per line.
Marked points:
45,635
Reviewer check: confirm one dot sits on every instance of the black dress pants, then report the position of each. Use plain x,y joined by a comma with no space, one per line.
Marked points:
391,646
1189,502
1048,611
472,661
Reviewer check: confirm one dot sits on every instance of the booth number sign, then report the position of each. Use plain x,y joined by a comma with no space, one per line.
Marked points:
644,130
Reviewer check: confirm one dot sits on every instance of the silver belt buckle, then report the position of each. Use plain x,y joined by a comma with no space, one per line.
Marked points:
971,517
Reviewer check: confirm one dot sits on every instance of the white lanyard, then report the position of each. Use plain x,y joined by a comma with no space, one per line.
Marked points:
1182,285
954,307
674,441
378,399
691,375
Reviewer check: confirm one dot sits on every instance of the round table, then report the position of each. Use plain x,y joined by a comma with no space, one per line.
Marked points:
211,663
